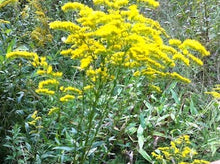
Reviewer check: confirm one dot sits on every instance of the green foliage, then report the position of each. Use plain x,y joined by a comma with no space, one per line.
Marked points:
126,120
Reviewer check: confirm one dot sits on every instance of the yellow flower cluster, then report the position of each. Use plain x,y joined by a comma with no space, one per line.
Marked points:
150,2
50,85
41,86
123,37
67,98
21,54
216,92
35,118
178,152
7,2
4,21
53,110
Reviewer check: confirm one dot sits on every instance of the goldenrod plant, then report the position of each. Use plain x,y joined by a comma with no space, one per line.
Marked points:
178,152
112,47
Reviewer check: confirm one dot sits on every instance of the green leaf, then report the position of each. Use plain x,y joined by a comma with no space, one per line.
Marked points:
98,143
140,136
193,110
140,130
148,105
10,46
175,96
159,134
63,148
141,141
145,155
142,120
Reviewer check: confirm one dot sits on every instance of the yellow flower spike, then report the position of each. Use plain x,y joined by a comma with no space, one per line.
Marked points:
179,56
196,161
152,3
88,87
67,98
53,110
179,77
194,45
49,69
155,88
72,89
85,62
45,91
34,114
4,21
64,25
186,138
57,74
137,73
41,72
195,59
175,42
21,54
66,52
32,122
62,88
72,6
44,83
214,94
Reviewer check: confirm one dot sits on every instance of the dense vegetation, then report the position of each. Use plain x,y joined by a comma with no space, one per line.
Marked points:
109,81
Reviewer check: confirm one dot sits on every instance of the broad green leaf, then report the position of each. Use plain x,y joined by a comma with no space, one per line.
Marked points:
141,141
175,96
145,155
159,134
193,110
140,130
148,105
142,120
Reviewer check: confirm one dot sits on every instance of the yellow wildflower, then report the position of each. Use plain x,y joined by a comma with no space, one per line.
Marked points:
53,110
179,56
72,6
186,151
155,88
157,156
178,76
88,87
45,91
4,21
85,62
176,42
72,89
194,45
64,25
34,115
67,98
151,2
196,161
21,54
195,59
44,83
137,73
